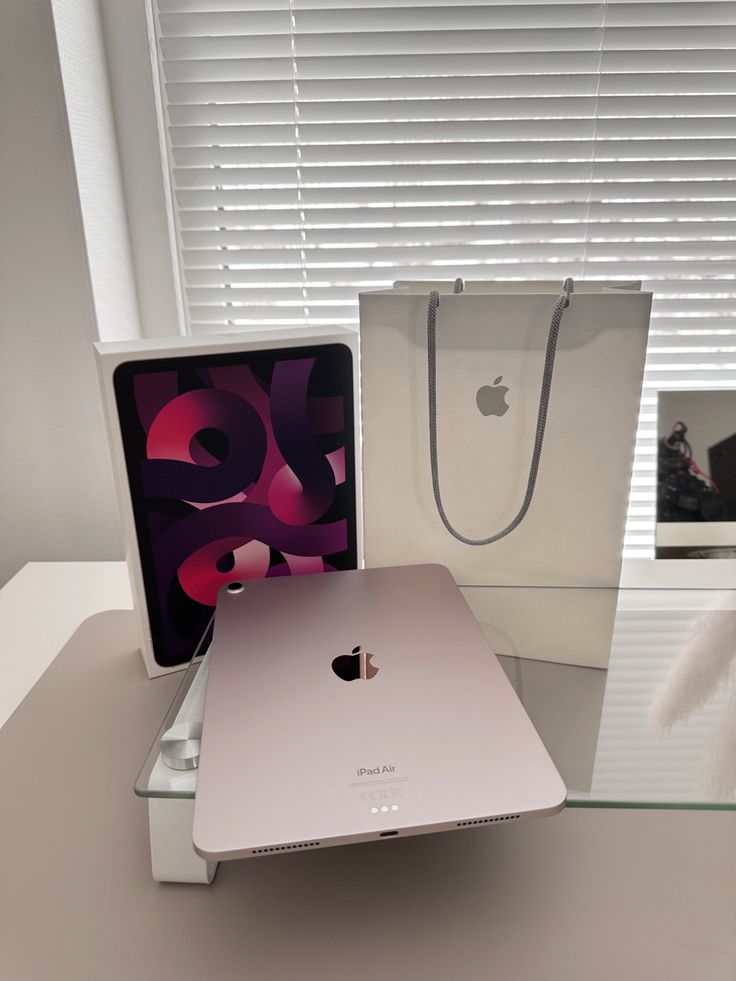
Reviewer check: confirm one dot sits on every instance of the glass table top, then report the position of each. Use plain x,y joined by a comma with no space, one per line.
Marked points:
655,727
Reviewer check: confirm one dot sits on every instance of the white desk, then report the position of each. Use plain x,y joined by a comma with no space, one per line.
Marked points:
590,895
40,609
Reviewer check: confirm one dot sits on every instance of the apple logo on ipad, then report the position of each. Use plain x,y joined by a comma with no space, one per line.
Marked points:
354,666
491,399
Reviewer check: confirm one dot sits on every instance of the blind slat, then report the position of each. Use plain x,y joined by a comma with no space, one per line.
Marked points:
555,107
395,19
436,174
463,86
393,234
498,63
469,193
565,37
565,151
462,252
361,272
492,131
562,212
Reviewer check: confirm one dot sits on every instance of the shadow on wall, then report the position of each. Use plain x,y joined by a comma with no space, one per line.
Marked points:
56,492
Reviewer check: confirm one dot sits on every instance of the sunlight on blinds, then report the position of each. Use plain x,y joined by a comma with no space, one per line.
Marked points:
320,147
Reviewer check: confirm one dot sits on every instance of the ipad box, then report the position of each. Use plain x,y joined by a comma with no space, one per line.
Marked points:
234,458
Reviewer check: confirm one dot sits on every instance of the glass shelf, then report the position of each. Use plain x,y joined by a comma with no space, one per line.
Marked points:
649,731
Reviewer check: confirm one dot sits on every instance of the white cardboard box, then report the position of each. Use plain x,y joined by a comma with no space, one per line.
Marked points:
111,356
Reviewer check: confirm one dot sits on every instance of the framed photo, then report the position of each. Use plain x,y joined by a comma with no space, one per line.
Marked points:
696,475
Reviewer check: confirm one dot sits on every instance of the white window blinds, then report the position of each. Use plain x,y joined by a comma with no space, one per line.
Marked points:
318,147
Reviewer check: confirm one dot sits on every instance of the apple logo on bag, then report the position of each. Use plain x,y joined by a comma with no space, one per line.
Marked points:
354,666
491,399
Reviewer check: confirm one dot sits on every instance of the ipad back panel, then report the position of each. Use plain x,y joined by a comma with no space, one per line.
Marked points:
427,734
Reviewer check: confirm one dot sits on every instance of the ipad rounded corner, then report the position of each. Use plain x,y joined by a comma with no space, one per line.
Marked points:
440,569
206,853
560,802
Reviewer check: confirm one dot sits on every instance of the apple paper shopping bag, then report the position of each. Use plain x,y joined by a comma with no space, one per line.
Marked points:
490,346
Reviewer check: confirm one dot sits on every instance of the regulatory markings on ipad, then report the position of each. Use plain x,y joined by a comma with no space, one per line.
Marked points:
379,795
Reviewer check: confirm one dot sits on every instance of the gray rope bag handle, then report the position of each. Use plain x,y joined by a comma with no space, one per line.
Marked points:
549,363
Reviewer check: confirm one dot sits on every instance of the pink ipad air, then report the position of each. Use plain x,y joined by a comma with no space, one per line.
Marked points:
358,706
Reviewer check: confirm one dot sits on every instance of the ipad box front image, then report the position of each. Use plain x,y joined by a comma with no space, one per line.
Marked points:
234,458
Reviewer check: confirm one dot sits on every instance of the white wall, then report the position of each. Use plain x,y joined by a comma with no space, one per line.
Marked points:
81,54
56,492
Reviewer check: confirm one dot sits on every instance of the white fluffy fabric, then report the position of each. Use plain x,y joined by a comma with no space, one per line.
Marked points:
704,665
698,670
